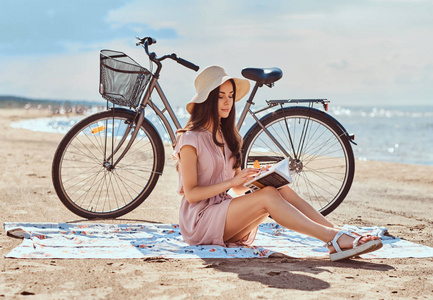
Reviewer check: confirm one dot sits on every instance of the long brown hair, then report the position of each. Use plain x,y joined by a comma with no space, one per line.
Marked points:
206,113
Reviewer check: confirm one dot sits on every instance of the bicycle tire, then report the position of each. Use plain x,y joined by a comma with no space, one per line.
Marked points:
326,164
89,189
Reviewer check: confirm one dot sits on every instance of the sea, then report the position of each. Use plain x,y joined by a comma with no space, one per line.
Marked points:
401,134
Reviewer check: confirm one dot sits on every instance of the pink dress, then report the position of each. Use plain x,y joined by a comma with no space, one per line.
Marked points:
203,222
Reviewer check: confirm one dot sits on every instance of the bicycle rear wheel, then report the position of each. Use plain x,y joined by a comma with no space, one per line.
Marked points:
81,175
324,167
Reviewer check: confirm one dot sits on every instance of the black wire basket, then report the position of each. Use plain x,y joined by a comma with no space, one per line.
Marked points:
122,80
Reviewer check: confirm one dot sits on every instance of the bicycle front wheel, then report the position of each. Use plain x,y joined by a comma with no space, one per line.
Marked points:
322,166
82,171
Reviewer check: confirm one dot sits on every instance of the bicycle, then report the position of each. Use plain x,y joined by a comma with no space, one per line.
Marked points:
109,162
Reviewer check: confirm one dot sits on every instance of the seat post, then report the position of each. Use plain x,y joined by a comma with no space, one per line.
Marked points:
248,105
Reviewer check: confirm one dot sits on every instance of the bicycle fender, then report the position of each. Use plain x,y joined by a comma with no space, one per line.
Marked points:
129,111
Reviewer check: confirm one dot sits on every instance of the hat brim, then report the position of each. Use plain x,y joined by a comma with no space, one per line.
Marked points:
242,88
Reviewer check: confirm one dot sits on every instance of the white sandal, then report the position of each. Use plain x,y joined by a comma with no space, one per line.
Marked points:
356,250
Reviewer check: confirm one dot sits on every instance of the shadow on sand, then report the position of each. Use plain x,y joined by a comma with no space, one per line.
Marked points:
289,273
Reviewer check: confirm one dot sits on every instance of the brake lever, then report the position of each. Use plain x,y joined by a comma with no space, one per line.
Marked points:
139,43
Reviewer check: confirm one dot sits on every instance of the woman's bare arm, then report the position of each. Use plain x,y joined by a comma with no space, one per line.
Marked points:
193,192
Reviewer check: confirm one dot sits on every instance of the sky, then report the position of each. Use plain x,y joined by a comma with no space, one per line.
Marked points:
352,52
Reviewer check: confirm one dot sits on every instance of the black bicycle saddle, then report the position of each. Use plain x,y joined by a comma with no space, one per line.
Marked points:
263,75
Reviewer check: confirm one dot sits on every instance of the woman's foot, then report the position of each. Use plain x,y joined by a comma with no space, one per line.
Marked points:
346,242
349,244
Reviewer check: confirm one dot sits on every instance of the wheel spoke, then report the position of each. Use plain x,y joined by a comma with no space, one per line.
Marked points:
325,158
84,180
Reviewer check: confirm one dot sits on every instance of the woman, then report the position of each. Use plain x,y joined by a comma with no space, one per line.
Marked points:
209,156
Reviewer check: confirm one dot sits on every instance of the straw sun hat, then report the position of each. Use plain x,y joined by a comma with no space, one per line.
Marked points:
211,78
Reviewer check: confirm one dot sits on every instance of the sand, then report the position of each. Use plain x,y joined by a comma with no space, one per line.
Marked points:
397,196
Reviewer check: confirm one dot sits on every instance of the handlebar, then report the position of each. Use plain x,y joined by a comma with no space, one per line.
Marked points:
147,41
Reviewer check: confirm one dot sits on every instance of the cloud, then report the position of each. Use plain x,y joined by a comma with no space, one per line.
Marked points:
330,49
340,65
55,77
54,27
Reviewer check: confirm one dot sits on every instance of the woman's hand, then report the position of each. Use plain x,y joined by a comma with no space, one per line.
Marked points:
265,168
244,176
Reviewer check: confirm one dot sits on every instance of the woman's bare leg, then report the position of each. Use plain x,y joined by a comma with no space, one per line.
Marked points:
303,206
246,211
242,233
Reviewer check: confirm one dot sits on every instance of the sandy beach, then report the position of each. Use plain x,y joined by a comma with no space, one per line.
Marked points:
396,196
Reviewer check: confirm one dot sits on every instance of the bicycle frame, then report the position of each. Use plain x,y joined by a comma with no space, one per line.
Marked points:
246,110
160,114
141,115
107,171
154,84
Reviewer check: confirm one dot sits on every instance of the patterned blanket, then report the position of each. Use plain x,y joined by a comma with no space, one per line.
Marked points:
116,241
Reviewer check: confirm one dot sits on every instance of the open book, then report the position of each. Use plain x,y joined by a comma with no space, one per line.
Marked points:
278,176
